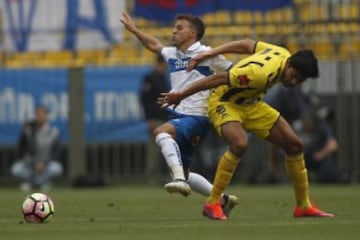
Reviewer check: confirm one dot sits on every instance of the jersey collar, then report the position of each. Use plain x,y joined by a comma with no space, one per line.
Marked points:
193,47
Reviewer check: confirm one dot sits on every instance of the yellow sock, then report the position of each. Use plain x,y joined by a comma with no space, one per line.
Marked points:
296,169
225,170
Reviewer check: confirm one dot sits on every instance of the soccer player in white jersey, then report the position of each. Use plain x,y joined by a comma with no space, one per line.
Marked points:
178,137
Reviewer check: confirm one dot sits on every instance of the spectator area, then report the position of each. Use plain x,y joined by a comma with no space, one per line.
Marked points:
330,28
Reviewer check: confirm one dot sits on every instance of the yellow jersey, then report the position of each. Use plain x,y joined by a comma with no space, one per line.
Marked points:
250,78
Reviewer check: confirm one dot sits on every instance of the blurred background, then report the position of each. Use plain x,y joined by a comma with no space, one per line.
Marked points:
75,58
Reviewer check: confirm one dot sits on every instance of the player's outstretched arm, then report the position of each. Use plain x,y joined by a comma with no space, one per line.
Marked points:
148,41
212,81
330,147
244,46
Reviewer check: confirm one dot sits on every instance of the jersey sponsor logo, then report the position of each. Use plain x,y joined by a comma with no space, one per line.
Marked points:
181,64
178,64
222,111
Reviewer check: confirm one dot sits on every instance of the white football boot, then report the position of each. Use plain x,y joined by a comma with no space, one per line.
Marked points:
178,186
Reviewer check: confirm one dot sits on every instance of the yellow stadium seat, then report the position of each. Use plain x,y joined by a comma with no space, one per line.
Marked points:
90,56
146,60
144,23
323,48
258,17
300,2
287,29
123,51
355,10
273,16
164,32
270,29
319,11
319,28
217,18
237,32
243,17
343,28
305,12
292,45
128,36
354,28
2,58
209,19
223,17
58,55
212,31
283,15
130,61
26,55
350,49
24,58
11,63
287,14
332,28
349,10
57,59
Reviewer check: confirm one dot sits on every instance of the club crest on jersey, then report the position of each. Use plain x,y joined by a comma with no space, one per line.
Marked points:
244,80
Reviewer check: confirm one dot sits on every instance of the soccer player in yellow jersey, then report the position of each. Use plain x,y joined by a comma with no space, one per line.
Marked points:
236,105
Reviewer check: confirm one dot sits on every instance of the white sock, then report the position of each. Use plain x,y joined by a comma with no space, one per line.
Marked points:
199,184
171,152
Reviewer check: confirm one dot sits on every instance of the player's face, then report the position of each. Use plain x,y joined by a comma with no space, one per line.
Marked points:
183,33
41,116
291,77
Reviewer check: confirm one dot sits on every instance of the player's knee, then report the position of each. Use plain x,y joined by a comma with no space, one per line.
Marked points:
295,145
55,169
239,147
157,131
16,170
161,137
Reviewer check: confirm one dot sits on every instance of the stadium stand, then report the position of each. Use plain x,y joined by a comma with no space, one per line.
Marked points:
325,24
217,18
91,57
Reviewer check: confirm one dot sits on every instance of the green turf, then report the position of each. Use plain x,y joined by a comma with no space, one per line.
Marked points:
140,212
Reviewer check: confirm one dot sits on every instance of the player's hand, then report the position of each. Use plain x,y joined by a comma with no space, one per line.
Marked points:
128,22
318,156
170,98
194,61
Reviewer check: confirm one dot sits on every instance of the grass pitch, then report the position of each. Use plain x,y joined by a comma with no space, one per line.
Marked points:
141,212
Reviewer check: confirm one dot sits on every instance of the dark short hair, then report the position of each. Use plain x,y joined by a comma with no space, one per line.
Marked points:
196,22
305,62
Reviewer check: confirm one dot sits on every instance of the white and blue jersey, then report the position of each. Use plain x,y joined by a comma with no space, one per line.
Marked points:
177,60
190,116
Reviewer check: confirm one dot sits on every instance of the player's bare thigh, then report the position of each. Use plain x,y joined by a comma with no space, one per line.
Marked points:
166,128
285,137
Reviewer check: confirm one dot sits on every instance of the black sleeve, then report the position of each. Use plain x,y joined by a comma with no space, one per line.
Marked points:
56,148
25,142
21,146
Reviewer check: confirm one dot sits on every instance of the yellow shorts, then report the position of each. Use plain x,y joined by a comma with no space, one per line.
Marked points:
257,118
